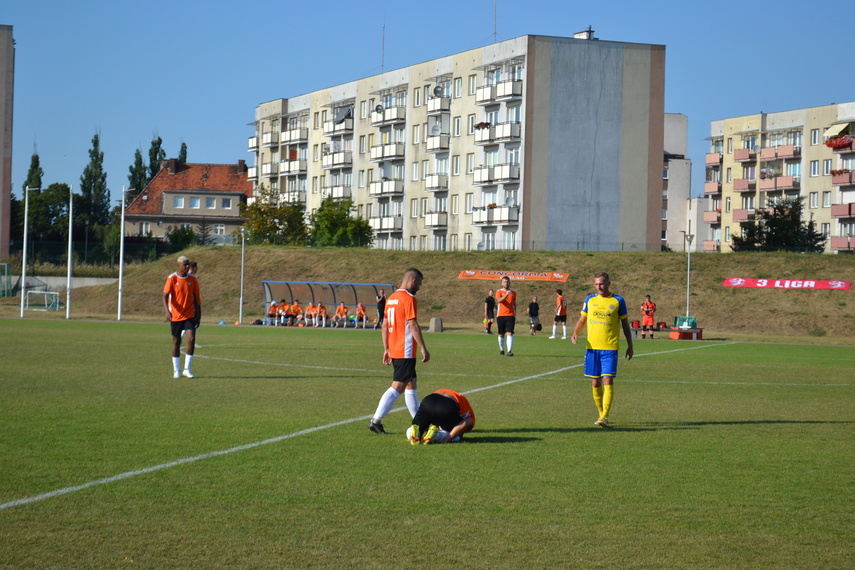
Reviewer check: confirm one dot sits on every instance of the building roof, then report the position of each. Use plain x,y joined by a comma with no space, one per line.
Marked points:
190,177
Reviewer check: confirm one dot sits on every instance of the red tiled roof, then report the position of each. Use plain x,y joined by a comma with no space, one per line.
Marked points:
190,177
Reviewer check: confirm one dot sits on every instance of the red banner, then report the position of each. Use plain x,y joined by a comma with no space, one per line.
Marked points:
514,275
786,283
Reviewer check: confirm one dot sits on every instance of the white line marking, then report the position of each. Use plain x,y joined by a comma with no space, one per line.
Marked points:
177,462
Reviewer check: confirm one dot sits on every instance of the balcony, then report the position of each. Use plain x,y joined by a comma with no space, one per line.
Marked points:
509,89
843,178
483,175
713,217
386,223
506,215
269,169
508,131
436,182
485,95
743,215
713,159
390,151
779,183
743,155
332,128
252,144
293,167
388,116
270,139
507,172
337,160
485,135
846,148
294,136
386,188
844,243
712,188
743,185
439,105
711,246
339,192
483,216
252,173
296,196
843,211
438,143
436,221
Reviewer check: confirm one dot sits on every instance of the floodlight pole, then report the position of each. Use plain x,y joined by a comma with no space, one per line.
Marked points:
122,252
70,243
24,259
242,265
689,238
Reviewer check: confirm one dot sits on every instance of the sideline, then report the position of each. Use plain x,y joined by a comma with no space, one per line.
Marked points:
193,459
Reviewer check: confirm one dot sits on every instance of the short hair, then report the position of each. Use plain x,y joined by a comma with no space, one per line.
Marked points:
183,259
603,274
413,273
559,291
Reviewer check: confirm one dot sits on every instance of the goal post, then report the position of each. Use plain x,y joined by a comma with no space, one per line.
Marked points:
5,280
43,301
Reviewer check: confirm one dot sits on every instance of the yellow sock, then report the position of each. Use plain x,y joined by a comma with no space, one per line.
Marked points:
598,398
607,400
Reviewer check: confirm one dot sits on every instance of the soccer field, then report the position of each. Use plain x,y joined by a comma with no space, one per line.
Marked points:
722,454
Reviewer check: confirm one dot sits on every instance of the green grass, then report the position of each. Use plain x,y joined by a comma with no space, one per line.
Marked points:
723,454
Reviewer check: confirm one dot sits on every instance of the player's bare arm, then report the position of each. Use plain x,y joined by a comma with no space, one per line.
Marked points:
628,334
579,325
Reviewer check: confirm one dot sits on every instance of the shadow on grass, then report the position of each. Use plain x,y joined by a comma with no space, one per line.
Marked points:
697,425
498,439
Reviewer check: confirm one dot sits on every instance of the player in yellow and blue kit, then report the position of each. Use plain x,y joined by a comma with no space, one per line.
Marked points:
605,315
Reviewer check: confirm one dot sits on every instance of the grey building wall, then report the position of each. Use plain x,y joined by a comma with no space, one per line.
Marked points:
7,87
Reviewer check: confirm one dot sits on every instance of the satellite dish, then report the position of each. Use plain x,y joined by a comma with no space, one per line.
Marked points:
378,109
435,130
756,148
509,201
480,246
437,91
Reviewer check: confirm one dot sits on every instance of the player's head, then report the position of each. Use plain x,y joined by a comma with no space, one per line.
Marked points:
506,282
647,297
412,281
534,299
559,292
193,267
183,265
490,292
601,283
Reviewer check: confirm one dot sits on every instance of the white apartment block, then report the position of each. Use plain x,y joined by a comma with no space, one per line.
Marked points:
534,143
806,152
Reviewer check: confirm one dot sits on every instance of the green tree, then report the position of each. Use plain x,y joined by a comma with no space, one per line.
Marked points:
34,174
49,213
155,155
333,225
138,176
95,196
780,227
268,222
203,233
182,154
181,235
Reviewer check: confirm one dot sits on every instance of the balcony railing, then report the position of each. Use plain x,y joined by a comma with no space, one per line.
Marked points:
337,192
386,223
438,143
713,217
436,182
483,175
506,214
509,89
389,116
843,179
390,151
270,139
508,131
843,210
743,154
344,127
294,135
743,185
252,144
439,105
293,167
438,220
711,246
743,215
506,172
252,173
269,169
713,158
842,243
845,148
482,216
386,188
342,159
485,95
779,183
295,196
485,135
712,187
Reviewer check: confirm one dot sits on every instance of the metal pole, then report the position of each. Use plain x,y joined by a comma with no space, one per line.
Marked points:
24,260
689,238
70,242
121,253
242,265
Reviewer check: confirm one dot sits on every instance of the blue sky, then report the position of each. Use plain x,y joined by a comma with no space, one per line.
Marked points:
193,72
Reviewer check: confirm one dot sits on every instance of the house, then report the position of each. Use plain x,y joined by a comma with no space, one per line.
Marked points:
189,195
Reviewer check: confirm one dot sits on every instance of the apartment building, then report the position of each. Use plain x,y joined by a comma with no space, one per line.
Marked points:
806,152
531,143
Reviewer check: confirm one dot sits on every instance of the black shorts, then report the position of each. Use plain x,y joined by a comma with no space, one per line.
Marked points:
491,314
404,370
178,326
560,319
438,410
506,325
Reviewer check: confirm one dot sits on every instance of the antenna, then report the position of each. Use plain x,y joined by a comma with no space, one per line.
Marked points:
509,201
378,109
756,148
383,48
436,130
437,91
480,246
494,21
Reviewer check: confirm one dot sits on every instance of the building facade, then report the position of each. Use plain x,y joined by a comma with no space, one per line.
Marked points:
531,143
680,215
7,91
806,152
189,195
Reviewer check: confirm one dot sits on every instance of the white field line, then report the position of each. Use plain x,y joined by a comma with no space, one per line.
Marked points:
193,459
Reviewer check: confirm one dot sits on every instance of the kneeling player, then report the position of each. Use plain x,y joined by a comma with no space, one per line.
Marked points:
443,417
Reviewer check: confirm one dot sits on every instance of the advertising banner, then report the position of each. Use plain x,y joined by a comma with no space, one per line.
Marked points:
785,283
491,275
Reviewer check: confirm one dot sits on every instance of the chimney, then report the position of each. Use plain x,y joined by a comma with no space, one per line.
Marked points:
169,164
241,166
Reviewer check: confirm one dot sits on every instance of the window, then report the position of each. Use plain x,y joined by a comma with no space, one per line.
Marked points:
664,174
748,202
455,165
664,213
416,133
219,229
178,202
361,144
414,208
470,163
317,120
415,171
727,204
775,139
729,175
442,165
814,199
749,172
413,243
729,146
825,230
424,207
469,202
417,97
454,203
210,203
145,228
458,87
749,142
457,126
826,167
473,87
363,109
360,179
826,199
425,168
727,233
794,169
315,151
814,168
439,242
814,137
314,184
470,124
796,138
452,242
226,203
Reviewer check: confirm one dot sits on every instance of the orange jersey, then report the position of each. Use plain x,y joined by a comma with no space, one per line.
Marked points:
284,309
296,309
561,306
508,305
322,310
311,310
341,311
462,403
401,307
183,296
360,311
648,309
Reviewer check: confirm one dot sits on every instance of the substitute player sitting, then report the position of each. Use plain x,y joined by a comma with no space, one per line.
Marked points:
341,315
321,319
311,314
443,417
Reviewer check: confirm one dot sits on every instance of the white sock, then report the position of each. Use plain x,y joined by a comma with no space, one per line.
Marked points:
501,343
188,360
510,343
564,328
412,399
387,400
554,329
176,363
